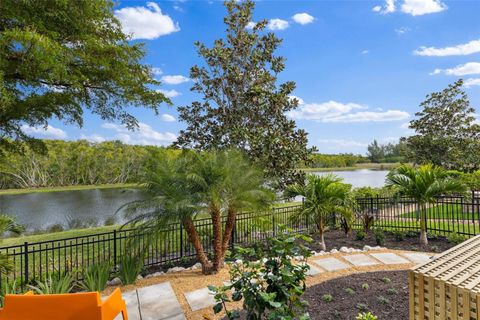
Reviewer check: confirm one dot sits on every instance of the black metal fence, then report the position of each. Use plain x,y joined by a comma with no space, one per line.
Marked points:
47,258
41,259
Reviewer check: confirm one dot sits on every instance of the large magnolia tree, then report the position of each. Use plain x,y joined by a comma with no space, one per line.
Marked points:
58,58
243,106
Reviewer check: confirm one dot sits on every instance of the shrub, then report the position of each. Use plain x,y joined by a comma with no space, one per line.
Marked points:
392,291
55,284
361,306
57,227
8,287
272,286
110,221
383,300
365,286
131,266
386,280
349,291
360,235
455,238
379,236
96,276
366,316
327,298
399,235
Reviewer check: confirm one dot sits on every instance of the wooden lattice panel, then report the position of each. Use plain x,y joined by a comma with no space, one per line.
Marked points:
448,287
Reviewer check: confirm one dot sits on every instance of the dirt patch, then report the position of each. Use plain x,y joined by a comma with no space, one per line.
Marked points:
386,296
337,239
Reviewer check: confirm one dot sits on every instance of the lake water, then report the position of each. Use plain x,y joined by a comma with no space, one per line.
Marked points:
92,207
69,208
361,178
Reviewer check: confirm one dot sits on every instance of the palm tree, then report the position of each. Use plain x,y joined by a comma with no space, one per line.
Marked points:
424,184
7,224
323,196
210,184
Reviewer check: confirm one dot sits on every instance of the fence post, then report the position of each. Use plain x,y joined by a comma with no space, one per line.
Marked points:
181,240
274,229
473,208
115,249
25,253
232,236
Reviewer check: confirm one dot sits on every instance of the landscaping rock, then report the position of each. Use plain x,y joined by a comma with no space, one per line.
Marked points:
156,274
367,248
344,250
114,282
333,251
139,277
196,266
175,269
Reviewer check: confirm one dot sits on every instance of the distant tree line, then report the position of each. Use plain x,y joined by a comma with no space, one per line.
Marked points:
68,163
318,160
386,153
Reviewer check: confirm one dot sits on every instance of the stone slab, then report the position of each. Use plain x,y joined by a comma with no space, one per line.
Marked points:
417,257
313,271
200,299
132,306
158,302
361,260
331,264
389,258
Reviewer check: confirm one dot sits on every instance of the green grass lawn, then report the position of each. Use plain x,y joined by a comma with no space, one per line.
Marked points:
68,188
445,212
434,226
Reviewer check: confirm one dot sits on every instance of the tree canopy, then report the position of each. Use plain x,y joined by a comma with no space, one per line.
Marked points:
445,131
58,58
242,105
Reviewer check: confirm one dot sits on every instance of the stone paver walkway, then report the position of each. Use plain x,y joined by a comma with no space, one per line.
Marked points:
159,302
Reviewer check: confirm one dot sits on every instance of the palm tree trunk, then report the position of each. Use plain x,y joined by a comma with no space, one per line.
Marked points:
217,238
321,232
423,225
227,234
194,239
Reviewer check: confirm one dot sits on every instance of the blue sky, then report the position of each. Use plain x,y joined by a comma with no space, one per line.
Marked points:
361,67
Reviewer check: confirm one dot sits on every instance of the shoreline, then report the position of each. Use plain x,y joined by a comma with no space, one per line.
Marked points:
359,166
67,188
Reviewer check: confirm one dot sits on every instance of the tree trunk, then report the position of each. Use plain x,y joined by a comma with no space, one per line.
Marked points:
423,225
227,234
194,239
217,238
321,231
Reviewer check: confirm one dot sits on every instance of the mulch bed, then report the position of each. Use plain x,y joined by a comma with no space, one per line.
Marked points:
386,296
337,239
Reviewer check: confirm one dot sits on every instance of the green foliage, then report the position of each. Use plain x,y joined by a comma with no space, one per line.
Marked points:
59,58
386,280
383,300
349,291
360,235
445,131
96,276
456,238
379,235
392,291
361,306
423,184
79,163
271,287
8,287
390,152
131,265
471,180
365,286
7,224
399,235
366,316
327,298
318,160
61,282
242,105
324,196
370,192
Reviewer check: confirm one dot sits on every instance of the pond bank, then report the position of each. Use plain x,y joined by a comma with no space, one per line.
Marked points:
67,188
358,166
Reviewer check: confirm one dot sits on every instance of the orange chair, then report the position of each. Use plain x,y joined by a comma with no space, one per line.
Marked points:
72,306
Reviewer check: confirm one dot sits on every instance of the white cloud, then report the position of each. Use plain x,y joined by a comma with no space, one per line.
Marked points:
175,79
388,7
333,111
146,22
303,18
169,93
470,82
402,30
421,7
144,135
458,50
277,24
460,70
45,132
365,51
250,25
157,71
405,125
343,143
93,138
168,118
